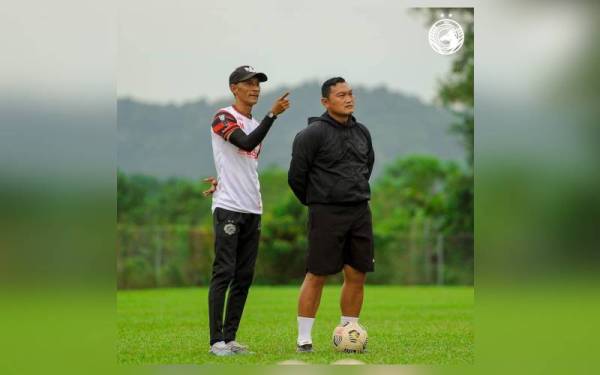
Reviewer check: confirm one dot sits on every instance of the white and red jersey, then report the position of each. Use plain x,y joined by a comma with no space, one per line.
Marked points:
238,187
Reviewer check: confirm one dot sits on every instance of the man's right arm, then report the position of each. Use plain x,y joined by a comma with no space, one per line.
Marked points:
248,142
225,125
302,158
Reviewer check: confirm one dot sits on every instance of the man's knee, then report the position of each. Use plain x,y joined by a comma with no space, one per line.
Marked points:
223,273
244,277
316,281
354,277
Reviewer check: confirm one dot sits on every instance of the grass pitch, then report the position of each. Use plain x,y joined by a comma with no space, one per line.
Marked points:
406,325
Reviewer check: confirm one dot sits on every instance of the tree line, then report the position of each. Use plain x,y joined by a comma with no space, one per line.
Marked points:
165,227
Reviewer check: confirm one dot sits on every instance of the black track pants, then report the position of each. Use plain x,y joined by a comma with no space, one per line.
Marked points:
236,248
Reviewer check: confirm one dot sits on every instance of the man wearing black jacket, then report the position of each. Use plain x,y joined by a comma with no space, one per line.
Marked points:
332,161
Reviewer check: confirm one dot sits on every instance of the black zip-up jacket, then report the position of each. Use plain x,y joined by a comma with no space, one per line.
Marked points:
331,162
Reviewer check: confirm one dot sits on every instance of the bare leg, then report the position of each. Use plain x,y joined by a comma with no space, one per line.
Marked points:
310,295
352,291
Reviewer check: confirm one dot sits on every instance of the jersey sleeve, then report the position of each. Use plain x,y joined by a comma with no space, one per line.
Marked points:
224,124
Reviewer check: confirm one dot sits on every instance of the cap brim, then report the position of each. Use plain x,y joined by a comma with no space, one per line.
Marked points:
262,77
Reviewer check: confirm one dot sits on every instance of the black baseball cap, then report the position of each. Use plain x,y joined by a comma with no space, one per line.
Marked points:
244,73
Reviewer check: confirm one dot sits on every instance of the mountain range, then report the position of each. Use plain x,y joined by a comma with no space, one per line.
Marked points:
173,140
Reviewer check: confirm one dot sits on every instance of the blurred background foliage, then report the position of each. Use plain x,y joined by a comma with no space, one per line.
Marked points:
423,223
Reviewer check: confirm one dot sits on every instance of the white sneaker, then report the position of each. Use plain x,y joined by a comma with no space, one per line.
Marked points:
237,348
220,349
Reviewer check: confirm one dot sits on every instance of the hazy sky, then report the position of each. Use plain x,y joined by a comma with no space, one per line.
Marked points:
181,50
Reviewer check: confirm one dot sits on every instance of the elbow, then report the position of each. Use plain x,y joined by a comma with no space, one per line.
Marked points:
246,146
293,185
291,177
240,142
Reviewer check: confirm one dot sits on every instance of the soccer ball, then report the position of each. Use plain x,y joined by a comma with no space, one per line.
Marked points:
350,338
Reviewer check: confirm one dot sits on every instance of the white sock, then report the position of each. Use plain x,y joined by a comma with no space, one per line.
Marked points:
304,330
349,319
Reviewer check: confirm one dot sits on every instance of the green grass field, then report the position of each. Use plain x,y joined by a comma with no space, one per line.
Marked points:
406,325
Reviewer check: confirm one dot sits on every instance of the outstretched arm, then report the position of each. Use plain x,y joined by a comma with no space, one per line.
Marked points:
226,125
248,142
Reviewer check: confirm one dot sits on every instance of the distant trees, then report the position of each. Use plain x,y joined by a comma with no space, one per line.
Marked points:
146,200
421,188
423,214
165,227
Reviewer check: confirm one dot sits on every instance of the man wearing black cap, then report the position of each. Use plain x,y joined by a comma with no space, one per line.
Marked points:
236,205
332,161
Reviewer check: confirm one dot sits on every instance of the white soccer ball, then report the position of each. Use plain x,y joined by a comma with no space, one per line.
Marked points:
350,338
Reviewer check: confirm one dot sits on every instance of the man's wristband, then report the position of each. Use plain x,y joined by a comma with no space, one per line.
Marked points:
271,115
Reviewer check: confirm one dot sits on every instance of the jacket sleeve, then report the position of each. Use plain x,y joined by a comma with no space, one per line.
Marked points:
371,157
303,153
371,154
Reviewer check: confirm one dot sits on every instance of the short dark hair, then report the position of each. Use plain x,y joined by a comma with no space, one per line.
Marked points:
326,88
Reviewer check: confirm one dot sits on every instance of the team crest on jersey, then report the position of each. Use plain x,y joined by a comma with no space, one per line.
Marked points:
229,229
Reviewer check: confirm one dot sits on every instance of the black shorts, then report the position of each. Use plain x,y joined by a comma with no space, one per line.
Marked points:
339,235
